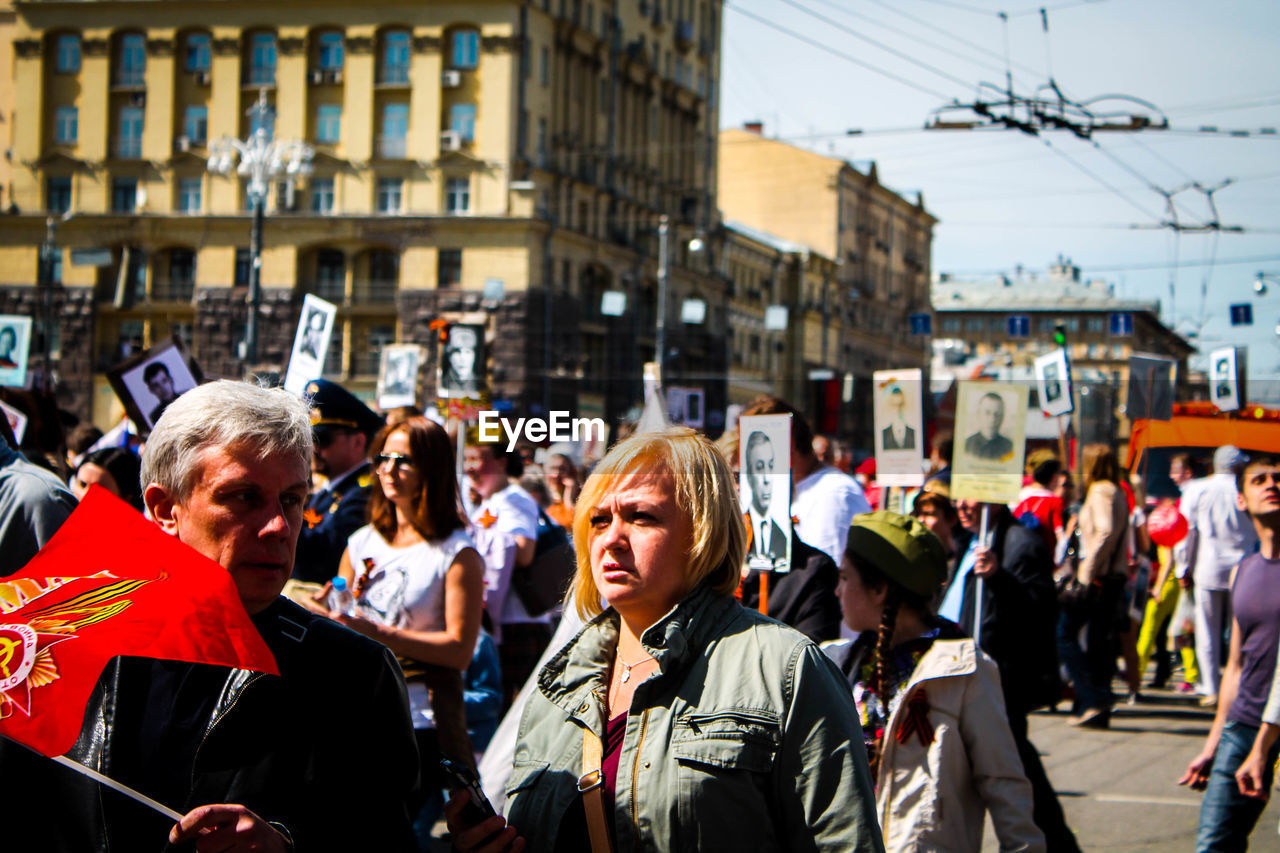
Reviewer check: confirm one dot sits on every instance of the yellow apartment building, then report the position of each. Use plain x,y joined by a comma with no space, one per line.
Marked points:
495,159
868,270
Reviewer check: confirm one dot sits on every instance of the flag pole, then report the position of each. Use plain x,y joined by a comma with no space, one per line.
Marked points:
979,586
111,783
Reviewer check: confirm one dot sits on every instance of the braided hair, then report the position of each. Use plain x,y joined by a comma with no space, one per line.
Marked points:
882,665
882,671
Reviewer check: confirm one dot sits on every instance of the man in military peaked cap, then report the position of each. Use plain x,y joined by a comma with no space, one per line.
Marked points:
343,427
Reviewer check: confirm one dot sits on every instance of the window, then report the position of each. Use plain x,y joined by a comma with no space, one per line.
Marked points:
1018,326
1094,325
182,274
243,267
329,124
951,325
190,195
395,57
331,275
124,195
390,191
975,324
544,67
265,120
384,275
330,58
196,53
66,125
132,67
1121,324
57,197
466,48
262,59
67,54
129,140
322,195
462,118
542,142
195,125
457,195
449,268
395,127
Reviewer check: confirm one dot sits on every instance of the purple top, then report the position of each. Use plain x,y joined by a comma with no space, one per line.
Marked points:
1255,600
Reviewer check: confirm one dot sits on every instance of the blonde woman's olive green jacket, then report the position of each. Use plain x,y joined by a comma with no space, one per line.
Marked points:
745,739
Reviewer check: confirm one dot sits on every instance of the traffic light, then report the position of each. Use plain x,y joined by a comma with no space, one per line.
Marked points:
1060,334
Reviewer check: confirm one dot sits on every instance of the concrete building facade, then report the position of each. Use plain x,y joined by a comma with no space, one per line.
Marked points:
523,150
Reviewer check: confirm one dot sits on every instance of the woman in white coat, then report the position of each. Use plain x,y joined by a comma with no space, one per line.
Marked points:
930,704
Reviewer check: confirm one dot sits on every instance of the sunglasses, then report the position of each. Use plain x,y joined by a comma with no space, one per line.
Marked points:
323,437
397,461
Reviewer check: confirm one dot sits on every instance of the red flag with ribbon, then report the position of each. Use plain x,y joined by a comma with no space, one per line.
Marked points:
109,583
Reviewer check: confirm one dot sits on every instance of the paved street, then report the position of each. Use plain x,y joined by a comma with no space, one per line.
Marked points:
1118,786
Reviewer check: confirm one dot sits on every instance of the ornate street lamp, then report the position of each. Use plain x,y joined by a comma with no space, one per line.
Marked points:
261,159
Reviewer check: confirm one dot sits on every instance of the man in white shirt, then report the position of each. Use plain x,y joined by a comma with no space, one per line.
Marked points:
824,500
1219,536
504,516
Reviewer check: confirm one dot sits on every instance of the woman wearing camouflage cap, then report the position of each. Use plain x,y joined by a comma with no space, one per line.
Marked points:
929,700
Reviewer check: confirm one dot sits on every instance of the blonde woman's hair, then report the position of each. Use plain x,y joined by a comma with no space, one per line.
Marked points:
704,491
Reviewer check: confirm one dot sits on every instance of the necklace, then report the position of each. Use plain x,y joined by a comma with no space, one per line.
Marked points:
627,667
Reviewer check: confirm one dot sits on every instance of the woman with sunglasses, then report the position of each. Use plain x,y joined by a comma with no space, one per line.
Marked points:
419,585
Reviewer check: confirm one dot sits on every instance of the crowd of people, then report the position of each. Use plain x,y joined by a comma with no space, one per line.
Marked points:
682,695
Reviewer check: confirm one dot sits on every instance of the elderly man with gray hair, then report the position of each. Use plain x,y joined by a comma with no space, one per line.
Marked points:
322,756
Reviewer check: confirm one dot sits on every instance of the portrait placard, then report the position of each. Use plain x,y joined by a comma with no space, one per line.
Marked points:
15,347
462,362
764,489
398,375
310,343
17,422
899,427
148,382
1053,383
990,446
1150,387
1227,378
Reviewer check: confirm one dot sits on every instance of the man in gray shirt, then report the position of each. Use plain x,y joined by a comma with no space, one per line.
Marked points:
33,505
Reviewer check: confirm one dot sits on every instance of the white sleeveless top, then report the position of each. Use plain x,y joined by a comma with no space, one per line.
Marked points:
405,589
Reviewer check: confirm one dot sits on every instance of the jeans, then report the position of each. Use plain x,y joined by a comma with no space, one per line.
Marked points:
1227,817
1090,671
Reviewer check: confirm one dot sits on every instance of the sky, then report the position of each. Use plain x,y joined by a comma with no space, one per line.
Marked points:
812,70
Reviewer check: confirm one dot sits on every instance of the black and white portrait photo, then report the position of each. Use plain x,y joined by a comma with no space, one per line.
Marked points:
146,384
991,420
765,488
1227,378
398,376
462,362
1053,383
310,343
15,343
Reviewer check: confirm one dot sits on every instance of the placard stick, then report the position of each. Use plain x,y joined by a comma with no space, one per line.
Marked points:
978,587
114,785
764,592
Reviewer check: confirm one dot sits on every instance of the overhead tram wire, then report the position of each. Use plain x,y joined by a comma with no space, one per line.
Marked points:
834,52
899,32
1119,193
974,45
1138,267
891,51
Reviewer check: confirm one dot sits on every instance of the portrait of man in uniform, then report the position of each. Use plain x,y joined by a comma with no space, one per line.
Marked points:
988,442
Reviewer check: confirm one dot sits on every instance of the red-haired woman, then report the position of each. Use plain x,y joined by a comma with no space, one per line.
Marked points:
419,582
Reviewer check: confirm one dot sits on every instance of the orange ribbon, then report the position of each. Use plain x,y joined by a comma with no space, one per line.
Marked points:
917,720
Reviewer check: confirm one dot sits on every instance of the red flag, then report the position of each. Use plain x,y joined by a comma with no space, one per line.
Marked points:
109,583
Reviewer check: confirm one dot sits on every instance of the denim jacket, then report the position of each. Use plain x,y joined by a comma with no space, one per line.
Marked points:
745,739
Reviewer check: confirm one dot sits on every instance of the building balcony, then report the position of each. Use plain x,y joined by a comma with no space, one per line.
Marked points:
394,75
392,147
684,35
375,292
260,76
128,149
173,290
